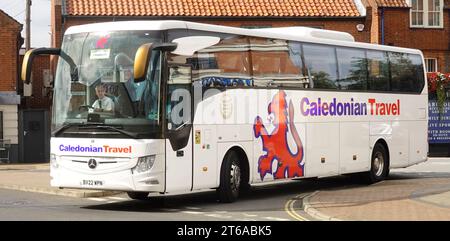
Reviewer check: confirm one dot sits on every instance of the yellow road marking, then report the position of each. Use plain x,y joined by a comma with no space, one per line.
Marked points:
289,208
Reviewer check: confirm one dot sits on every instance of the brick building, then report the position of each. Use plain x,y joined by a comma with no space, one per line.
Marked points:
419,24
10,42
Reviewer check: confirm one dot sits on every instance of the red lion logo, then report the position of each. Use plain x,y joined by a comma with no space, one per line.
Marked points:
276,143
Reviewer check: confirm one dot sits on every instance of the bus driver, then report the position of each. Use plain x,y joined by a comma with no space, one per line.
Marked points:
103,103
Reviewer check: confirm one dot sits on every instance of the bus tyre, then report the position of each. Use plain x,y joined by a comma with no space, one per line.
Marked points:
138,195
230,179
379,167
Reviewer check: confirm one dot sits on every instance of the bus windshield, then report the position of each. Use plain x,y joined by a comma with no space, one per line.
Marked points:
105,92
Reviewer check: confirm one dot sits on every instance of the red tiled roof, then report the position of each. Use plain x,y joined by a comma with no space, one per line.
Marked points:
392,3
10,18
213,8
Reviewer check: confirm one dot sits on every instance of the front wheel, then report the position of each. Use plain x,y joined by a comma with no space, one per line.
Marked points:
138,195
379,167
230,178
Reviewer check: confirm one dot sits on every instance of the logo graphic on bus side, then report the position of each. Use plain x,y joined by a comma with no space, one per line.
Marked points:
276,144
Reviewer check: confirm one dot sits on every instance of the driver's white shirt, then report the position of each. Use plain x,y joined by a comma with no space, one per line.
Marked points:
105,103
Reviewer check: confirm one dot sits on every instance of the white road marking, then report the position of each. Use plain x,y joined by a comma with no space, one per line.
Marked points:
220,212
119,198
97,199
217,216
250,215
192,212
193,208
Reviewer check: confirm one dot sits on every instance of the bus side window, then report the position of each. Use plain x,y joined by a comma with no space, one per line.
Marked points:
322,66
378,67
406,73
179,96
277,63
352,68
224,64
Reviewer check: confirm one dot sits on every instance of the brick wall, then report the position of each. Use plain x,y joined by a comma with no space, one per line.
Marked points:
435,43
9,33
56,26
41,96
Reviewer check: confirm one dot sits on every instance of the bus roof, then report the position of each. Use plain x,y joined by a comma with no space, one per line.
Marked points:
302,34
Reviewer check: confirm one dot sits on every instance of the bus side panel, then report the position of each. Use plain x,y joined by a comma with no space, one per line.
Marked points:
205,157
418,142
380,130
354,147
322,149
179,168
399,149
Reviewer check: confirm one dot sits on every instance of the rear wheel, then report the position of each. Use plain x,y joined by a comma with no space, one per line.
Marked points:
138,195
379,167
230,178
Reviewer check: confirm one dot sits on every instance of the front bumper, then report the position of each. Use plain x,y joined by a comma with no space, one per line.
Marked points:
77,175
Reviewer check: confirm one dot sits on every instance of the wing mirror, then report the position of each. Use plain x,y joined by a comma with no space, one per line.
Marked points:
31,54
143,57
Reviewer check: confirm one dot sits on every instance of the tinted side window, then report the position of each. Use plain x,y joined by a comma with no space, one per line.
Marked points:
406,72
225,64
378,67
276,63
352,69
417,62
321,63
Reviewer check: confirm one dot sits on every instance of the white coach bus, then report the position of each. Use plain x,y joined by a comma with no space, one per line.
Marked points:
174,107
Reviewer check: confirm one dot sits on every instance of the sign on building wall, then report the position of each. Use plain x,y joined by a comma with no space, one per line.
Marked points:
438,127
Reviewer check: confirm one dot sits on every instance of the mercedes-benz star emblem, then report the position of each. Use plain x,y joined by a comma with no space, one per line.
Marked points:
92,163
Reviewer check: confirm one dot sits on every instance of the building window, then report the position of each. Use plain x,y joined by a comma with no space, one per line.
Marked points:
427,13
431,65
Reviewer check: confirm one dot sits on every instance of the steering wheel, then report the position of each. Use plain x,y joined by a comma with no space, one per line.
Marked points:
85,108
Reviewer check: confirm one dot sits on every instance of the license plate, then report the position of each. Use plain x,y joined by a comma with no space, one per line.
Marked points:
91,183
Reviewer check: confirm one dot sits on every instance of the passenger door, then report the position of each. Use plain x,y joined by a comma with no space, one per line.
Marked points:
179,129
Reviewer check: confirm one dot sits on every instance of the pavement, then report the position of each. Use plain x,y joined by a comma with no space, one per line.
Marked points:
420,192
36,178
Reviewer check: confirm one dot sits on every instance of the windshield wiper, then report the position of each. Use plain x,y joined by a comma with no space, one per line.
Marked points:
127,133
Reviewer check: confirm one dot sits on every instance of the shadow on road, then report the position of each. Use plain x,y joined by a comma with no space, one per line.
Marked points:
270,197
260,198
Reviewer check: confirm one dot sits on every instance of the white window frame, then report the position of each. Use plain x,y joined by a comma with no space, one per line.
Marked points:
426,14
435,64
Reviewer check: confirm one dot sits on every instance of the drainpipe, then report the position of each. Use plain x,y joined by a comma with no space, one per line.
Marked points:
382,25
19,83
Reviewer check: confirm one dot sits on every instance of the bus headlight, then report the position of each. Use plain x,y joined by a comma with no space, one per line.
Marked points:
53,161
144,164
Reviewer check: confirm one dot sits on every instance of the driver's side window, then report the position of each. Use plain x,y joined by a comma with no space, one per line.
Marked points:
178,104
